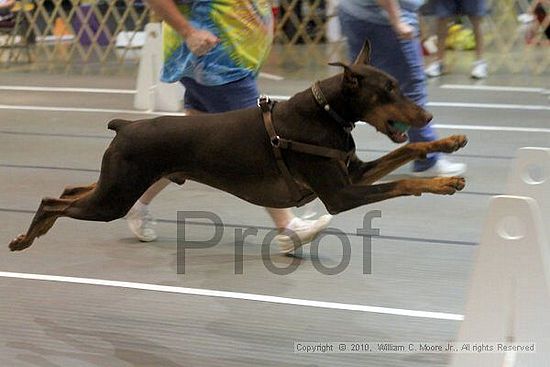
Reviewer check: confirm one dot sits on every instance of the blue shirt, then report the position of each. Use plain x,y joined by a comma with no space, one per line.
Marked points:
372,12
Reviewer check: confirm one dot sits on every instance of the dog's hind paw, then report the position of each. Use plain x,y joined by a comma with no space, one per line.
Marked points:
20,243
452,143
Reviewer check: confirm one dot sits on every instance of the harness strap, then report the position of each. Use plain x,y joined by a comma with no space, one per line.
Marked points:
278,143
266,105
314,150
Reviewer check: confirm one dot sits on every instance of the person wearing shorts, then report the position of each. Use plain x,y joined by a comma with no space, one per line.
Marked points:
445,10
215,49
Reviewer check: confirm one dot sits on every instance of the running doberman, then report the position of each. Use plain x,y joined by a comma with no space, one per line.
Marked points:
278,155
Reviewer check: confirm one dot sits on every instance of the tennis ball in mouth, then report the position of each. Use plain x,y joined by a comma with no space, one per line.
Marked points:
400,126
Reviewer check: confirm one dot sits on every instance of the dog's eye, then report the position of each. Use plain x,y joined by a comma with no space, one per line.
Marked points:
389,87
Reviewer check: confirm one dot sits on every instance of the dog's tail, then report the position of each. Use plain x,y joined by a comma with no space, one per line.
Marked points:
117,124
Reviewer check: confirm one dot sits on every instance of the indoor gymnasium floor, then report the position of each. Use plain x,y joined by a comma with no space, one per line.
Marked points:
89,294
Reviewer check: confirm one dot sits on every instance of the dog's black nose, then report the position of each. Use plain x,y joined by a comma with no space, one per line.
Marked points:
429,117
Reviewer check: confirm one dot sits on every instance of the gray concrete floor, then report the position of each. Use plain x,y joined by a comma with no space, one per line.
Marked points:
421,260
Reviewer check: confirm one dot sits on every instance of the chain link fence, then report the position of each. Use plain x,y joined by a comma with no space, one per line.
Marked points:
65,34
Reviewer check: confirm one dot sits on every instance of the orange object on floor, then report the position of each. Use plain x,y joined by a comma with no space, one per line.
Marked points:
60,28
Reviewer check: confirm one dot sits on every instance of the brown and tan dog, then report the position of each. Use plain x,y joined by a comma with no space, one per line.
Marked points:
302,150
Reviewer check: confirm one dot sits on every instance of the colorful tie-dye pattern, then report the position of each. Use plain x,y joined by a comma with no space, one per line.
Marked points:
245,30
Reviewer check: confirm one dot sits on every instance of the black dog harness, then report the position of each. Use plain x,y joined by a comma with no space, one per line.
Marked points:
278,143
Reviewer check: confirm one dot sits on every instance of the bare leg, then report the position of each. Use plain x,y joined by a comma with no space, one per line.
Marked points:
476,22
161,184
139,219
441,36
281,217
153,191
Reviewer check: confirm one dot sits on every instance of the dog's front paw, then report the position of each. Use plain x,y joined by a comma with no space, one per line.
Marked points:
452,143
447,185
20,243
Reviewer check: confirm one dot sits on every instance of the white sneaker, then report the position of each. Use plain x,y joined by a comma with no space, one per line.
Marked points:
442,168
140,223
301,232
479,70
434,69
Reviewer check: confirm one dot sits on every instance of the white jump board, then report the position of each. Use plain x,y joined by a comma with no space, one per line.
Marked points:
530,176
509,295
151,94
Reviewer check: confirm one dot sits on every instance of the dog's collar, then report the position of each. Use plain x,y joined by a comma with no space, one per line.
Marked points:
322,101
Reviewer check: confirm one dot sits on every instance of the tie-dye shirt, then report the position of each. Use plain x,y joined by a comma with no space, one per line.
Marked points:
245,30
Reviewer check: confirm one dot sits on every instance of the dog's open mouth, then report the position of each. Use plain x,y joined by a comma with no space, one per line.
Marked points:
397,131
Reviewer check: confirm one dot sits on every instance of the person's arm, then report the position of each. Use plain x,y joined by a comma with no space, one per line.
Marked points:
199,41
403,30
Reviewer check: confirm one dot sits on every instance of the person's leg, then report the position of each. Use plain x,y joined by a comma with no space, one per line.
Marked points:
410,75
139,219
353,30
444,10
476,10
414,87
478,34
404,61
281,217
441,29
153,191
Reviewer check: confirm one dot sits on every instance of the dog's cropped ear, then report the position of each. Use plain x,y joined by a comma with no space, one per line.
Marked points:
364,55
351,79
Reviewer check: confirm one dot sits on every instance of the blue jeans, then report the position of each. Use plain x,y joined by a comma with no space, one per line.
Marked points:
402,59
239,94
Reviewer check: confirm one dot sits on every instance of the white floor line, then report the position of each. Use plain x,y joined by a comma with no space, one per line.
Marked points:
236,295
492,128
482,128
93,110
137,112
23,88
271,76
276,97
499,106
466,105
495,88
